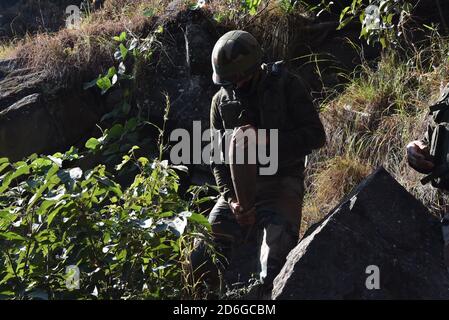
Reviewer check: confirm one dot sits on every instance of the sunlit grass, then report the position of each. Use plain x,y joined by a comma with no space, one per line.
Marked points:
7,50
383,107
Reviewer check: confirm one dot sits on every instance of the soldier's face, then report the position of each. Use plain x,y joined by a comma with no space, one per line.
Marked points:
242,82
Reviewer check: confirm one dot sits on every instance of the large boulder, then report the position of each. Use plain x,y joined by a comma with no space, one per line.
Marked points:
35,118
379,232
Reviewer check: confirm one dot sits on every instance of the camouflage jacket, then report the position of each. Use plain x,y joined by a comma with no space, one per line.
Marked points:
276,99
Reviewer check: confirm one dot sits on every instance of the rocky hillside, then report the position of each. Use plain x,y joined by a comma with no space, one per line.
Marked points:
116,86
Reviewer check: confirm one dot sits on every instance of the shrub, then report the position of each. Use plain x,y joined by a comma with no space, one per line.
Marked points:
128,242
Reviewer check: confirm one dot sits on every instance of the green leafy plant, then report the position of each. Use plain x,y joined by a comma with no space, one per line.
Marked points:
128,242
61,213
382,20
130,50
251,6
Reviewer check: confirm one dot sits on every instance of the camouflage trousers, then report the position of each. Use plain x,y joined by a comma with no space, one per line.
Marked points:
278,218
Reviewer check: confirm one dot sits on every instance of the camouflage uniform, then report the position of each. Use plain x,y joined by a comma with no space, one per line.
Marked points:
274,99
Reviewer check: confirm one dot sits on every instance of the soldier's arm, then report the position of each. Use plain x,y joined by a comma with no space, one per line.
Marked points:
221,171
308,133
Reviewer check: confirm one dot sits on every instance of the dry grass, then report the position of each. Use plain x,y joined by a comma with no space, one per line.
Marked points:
69,56
277,31
330,183
382,108
8,50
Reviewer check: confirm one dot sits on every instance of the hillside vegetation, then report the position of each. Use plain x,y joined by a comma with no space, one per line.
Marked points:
382,108
120,213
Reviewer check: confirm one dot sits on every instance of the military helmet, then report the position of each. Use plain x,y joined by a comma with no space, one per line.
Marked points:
236,55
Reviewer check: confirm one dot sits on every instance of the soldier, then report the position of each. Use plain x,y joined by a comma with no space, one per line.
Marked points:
257,96
430,156
418,151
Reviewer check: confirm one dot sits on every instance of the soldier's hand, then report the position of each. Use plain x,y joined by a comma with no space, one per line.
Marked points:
242,142
243,217
418,157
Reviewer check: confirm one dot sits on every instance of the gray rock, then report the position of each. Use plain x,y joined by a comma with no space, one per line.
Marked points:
36,119
16,86
199,46
18,17
378,224
24,127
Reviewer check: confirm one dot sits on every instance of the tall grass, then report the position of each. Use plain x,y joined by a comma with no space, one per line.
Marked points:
70,56
382,108
7,50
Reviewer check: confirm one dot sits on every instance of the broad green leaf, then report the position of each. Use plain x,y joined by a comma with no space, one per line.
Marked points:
345,22
143,161
131,124
21,169
123,51
7,293
122,36
343,13
40,163
12,236
115,132
199,218
104,84
111,72
92,143
52,215
3,166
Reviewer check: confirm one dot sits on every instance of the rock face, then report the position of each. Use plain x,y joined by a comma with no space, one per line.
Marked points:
17,17
35,118
379,224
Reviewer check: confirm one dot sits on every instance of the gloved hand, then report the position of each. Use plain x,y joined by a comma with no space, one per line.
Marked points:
242,142
418,157
243,217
